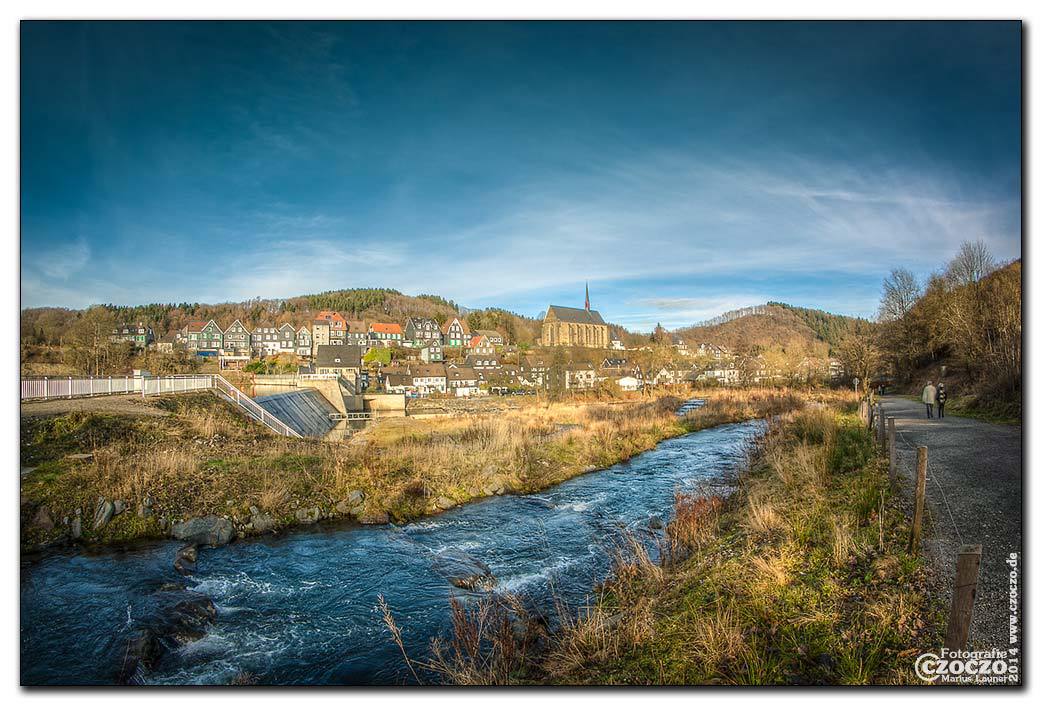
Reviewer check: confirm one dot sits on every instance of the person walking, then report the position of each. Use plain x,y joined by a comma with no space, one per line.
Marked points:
929,398
942,397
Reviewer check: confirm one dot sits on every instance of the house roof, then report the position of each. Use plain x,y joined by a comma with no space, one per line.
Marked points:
357,327
445,326
433,370
476,340
490,332
196,326
462,373
472,357
385,328
338,357
397,379
570,315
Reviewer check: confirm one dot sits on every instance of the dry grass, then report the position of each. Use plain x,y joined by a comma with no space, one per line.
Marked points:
786,583
204,458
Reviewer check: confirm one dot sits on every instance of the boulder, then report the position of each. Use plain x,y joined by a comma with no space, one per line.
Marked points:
463,571
184,560
210,530
103,513
494,487
261,521
76,526
655,522
355,497
444,503
308,515
43,520
118,507
173,616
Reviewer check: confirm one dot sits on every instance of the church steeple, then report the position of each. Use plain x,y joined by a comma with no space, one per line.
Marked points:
587,296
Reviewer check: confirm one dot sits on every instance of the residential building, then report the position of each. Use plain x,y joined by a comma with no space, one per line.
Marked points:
455,332
167,343
203,338
679,344
265,340
615,342
494,337
345,361
480,345
629,383
139,334
237,341
287,339
399,382
303,337
462,381
565,326
386,334
357,334
429,379
432,352
481,362
580,376
421,331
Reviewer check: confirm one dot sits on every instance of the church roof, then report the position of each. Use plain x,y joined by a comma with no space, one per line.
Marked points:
575,316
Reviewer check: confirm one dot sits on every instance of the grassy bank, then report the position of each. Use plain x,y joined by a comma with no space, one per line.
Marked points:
202,458
801,577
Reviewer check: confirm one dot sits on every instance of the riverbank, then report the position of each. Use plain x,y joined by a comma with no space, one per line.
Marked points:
110,479
801,577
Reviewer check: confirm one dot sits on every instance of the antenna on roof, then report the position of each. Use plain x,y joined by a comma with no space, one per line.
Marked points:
587,295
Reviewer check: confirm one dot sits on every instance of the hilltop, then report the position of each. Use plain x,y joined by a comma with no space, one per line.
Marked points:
776,325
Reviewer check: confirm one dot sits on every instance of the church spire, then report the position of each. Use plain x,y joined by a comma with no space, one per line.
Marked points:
587,296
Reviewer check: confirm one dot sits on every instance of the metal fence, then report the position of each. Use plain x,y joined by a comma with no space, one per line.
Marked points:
69,387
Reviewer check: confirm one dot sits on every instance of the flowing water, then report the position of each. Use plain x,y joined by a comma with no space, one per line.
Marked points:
301,607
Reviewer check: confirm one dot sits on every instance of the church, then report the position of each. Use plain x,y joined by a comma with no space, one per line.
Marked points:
565,326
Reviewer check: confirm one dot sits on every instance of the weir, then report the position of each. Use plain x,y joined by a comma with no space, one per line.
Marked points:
306,411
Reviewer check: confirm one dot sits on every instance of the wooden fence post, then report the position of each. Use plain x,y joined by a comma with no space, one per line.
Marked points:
920,499
963,593
891,442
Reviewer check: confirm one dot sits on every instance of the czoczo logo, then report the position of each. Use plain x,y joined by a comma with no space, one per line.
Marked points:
960,666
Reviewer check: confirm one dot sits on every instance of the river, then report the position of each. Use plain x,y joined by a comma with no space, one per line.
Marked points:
301,607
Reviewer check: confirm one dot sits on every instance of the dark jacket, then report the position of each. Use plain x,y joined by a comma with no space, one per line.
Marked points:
942,395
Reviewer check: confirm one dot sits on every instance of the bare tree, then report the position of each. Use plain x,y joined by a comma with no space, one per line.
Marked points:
973,263
901,291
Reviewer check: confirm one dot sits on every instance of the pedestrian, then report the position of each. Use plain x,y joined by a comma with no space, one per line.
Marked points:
942,397
929,398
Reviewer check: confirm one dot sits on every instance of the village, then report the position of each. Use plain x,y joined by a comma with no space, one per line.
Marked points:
422,357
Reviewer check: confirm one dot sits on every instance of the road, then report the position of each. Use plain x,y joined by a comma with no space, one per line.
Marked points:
974,496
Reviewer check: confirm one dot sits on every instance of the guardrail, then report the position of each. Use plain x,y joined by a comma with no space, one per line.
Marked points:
70,387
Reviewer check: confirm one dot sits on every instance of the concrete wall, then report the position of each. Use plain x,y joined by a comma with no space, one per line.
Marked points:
384,405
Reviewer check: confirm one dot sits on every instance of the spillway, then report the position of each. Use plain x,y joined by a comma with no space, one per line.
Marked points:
306,411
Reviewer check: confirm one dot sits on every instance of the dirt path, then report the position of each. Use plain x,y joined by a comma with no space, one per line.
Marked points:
973,496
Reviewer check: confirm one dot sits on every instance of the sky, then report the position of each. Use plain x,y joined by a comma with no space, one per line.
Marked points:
682,169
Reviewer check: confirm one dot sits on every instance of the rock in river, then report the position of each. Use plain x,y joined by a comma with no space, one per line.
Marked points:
184,562
173,617
211,530
463,571
103,514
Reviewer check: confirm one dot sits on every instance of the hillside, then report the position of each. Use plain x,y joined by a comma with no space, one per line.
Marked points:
777,325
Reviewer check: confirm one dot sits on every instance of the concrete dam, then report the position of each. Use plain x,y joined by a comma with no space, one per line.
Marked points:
307,411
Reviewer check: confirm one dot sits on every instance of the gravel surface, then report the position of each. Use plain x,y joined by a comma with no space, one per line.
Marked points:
130,405
976,467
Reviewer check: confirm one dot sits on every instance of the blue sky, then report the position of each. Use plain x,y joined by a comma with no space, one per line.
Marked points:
684,169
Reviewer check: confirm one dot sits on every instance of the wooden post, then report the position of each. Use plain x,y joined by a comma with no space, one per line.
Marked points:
963,593
920,499
891,442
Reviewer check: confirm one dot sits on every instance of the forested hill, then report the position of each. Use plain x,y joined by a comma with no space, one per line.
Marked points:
46,325
778,325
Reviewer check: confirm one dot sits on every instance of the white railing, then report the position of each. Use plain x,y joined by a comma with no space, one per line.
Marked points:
319,376
69,387
254,410
275,380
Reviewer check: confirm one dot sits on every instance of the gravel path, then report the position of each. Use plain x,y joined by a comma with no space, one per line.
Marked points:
130,405
976,467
